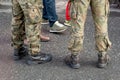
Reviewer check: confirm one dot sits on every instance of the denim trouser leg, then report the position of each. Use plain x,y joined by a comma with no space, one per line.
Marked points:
49,11
45,14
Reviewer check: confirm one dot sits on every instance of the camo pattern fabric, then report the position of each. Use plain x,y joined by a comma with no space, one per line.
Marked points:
26,23
78,12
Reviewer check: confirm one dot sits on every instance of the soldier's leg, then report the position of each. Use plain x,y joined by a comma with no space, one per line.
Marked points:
18,26
78,11
100,10
33,20
18,30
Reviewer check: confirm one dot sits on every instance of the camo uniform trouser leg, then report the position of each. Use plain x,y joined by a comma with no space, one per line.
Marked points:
27,19
78,13
18,25
100,11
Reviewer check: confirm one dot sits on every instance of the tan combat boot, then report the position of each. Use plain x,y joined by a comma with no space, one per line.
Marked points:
72,61
103,60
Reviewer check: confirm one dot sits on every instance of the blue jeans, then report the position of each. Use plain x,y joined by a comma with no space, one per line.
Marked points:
49,11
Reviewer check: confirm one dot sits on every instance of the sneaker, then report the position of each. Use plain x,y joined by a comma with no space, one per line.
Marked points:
20,53
44,21
58,27
67,23
39,59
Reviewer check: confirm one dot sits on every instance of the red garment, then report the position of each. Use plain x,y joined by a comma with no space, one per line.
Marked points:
67,14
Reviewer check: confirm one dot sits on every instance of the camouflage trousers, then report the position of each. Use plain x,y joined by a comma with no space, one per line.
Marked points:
26,23
78,12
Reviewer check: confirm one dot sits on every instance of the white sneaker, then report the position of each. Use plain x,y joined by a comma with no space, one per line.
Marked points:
67,23
58,27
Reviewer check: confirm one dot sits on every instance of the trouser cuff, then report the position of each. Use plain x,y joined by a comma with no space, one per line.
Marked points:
75,53
102,54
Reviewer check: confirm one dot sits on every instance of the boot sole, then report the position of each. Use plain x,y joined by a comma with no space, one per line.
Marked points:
30,62
102,65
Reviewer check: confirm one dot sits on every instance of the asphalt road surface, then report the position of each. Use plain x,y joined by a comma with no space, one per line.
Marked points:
57,46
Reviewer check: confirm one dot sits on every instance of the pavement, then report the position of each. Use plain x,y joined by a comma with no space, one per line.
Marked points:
57,46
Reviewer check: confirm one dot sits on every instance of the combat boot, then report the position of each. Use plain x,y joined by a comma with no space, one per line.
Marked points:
72,61
40,58
20,53
103,60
